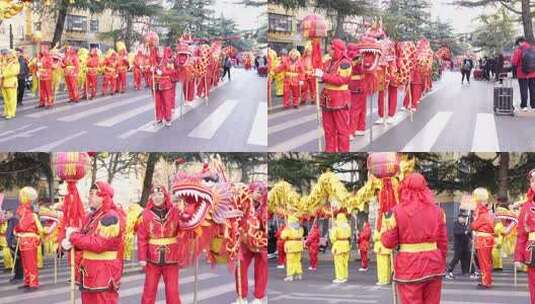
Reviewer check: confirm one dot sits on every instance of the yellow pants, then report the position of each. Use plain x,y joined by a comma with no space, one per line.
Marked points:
497,261
384,271
293,264
279,84
8,258
10,101
341,266
39,256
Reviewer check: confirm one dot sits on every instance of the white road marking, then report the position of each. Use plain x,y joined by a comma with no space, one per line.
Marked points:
295,142
124,116
485,134
425,139
101,109
55,110
25,134
14,130
378,130
209,126
292,123
52,145
258,133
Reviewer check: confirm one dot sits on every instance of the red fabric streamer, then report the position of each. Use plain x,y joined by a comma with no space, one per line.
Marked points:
317,61
387,200
73,210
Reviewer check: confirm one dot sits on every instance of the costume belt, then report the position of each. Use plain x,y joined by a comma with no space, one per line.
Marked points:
483,234
300,239
346,239
531,236
336,87
357,77
106,255
27,234
291,74
418,247
163,241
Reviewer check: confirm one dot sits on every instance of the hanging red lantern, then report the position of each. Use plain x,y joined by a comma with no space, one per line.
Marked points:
383,164
314,27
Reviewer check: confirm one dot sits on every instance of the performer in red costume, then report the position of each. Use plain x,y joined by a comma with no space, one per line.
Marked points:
122,68
254,248
293,77
418,226
139,62
93,63
28,232
313,244
309,81
147,74
525,243
416,90
335,98
358,86
165,75
280,248
364,245
483,228
71,68
157,246
101,243
44,73
184,73
110,74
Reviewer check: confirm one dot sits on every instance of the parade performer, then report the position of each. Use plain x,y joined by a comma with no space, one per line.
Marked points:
418,226
158,246
382,257
358,86
281,253
293,77
28,232
293,247
93,65
139,66
122,67
313,245
335,98
101,241
165,75
364,244
44,74
308,90
110,74
340,236
71,69
392,77
83,55
279,76
254,244
57,69
9,72
6,252
499,232
133,217
525,244
184,71
483,228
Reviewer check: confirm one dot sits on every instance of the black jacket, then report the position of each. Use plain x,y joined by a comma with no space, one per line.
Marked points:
10,231
461,236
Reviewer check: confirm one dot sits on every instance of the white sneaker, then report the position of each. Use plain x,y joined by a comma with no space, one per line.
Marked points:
360,133
280,266
157,123
310,268
336,281
259,301
381,284
240,301
450,276
288,279
403,109
380,121
525,109
299,277
363,269
168,123
390,120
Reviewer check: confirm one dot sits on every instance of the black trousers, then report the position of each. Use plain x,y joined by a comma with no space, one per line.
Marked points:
460,255
466,74
525,86
20,91
226,71
19,274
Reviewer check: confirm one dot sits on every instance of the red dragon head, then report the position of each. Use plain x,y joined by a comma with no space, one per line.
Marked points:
369,46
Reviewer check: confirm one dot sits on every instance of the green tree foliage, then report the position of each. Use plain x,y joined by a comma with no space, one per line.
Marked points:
24,169
496,33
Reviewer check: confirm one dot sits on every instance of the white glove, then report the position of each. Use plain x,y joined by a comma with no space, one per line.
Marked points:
66,244
301,82
519,265
159,72
69,231
318,73
37,74
143,263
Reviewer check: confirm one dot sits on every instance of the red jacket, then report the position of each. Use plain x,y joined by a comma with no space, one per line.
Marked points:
280,242
336,77
516,61
28,229
313,239
93,63
122,63
157,237
101,266
44,67
70,65
364,237
526,233
483,226
358,83
165,80
293,71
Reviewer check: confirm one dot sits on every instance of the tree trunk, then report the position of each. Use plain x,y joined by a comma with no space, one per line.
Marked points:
527,21
60,23
147,180
128,32
340,18
503,176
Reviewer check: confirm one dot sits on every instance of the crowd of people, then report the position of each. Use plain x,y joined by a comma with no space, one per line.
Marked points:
413,235
107,235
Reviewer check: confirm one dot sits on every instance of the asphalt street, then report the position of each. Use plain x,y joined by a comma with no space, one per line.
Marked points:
317,287
233,119
215,286
452,117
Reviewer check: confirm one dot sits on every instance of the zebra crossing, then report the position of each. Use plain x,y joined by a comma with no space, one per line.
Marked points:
126,121
214,286
450,118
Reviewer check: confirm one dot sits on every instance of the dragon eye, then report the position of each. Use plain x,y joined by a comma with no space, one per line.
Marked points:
210,180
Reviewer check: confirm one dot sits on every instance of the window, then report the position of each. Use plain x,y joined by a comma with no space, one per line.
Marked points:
93,26
76,23
280,23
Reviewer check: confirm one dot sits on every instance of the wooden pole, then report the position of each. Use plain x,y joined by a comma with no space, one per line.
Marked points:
73,300
56,267
196,274
15,259
318,115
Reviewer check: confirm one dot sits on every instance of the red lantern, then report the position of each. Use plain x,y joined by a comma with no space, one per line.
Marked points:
314,27
383,164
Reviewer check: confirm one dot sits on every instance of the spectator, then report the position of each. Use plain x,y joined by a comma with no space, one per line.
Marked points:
500,62
227,64
23,74
256,62
12,221
466,69
461,247
524,64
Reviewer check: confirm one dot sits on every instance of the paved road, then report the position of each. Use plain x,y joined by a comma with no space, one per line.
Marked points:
317,288
451,118
234,119
216,286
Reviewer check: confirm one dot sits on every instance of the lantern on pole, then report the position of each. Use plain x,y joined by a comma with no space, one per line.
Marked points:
384,165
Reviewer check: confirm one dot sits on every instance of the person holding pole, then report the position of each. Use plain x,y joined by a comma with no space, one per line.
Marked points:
281,254
335,98
359,88
417,225
363,240
17,273
293,246
100,240
483,228
340,236
158,251
313,245
293,78
308,91
525,244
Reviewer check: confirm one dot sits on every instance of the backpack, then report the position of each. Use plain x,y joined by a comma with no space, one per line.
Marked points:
528,60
